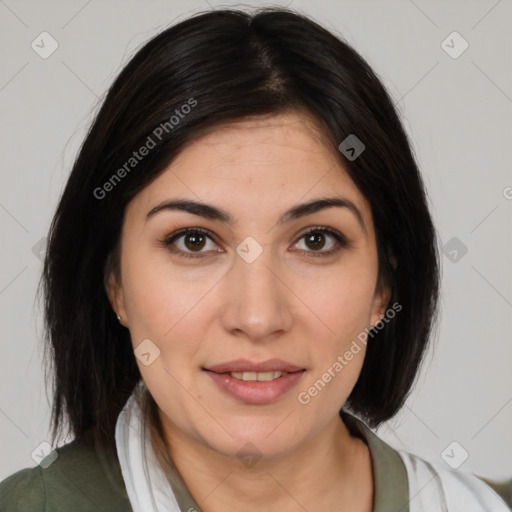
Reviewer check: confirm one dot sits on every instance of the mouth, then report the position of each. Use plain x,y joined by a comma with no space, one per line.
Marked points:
255,383
248,366
256,376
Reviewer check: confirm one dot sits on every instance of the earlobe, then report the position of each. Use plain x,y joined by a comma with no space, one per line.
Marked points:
380,304
115,297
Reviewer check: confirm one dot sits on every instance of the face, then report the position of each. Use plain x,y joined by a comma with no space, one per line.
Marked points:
241,286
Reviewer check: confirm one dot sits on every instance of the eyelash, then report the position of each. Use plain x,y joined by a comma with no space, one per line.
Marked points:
340,239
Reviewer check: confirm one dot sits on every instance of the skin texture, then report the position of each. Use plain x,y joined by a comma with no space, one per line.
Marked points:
287,304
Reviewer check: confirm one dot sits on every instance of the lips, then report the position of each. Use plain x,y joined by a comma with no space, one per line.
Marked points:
245,365
255,383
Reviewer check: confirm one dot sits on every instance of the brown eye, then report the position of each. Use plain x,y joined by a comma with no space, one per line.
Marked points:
315,240
321,238
190,243
194,241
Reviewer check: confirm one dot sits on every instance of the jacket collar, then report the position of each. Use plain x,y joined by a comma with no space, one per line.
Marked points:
389,473
391,492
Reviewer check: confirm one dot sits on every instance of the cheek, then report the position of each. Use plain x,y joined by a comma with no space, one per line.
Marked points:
339,299
336,318
166,304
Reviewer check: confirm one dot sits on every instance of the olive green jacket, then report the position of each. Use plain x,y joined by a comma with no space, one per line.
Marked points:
84,478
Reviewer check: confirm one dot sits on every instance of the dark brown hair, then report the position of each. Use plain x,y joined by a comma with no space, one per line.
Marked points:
230,64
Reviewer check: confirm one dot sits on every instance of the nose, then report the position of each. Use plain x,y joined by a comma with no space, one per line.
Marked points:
258,300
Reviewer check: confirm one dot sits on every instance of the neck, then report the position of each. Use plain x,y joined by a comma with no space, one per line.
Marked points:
334,464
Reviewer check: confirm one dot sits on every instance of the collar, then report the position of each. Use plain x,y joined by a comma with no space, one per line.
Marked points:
389,473
390,476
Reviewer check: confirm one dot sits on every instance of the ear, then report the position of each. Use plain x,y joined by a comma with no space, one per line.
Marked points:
382,294
114,291
380,303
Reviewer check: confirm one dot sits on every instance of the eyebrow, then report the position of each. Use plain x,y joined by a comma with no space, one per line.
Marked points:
215,213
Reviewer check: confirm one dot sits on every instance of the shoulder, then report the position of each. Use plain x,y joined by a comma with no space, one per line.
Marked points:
23,490
76,476
454,490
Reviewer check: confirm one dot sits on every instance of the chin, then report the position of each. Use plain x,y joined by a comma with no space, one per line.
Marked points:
266,437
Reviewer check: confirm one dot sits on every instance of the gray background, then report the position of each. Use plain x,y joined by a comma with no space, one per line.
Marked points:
457,112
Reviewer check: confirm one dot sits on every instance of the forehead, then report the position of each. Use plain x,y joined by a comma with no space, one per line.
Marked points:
262,164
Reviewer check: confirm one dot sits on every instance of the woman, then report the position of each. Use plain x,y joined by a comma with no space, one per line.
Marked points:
241,278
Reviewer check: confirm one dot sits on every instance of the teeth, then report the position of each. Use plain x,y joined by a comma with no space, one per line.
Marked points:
261,376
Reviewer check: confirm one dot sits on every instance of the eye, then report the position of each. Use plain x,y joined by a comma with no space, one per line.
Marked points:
189,242
318,238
